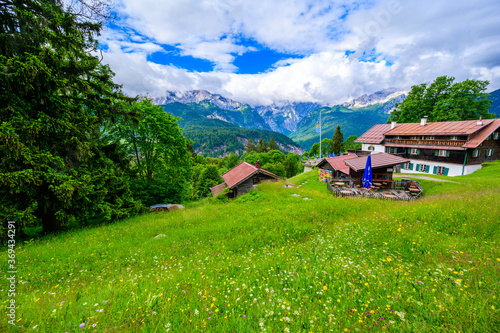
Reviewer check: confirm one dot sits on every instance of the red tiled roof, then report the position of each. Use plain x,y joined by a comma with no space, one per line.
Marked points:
374,134
217,189
241,172
379,160
480,137
465,127
338,162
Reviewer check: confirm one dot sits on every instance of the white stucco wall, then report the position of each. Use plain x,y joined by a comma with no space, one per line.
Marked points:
378,148
472,168
454,169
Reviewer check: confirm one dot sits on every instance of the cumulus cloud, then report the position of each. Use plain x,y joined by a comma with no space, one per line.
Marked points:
391,43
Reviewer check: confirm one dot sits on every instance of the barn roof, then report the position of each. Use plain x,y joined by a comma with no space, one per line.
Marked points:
338,162
217,189
241,172
379,160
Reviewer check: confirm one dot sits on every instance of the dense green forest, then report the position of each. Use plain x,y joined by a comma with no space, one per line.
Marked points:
74,149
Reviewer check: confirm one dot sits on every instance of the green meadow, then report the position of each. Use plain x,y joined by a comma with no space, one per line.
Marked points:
272,262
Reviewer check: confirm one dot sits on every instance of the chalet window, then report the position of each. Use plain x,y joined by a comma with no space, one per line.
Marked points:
453,137
475,153
414,137
430,137
390,150
415,151
422,168
441,170
371,148
442,153
407,166
489,152
496,136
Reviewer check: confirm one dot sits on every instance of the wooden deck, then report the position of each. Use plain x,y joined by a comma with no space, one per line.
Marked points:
408,190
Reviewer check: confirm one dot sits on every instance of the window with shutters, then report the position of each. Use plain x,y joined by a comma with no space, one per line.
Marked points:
489,152
440,170
496,136
475,153
423,167
371,148
443,153
415,151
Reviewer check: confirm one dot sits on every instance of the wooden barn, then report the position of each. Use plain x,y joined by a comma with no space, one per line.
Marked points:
242,178
334,167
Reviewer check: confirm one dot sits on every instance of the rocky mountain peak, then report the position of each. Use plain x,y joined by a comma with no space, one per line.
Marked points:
197,96
378,97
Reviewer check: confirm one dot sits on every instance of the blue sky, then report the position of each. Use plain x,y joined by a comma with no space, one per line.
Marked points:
270,51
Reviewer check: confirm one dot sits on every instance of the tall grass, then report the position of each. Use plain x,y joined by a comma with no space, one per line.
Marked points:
270,261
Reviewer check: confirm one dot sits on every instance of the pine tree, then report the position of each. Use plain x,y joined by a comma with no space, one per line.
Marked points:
250,147
272,145
56,101
337,141
261,146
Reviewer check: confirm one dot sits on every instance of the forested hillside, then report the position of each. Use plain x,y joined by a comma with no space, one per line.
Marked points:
217,138
352,122
244,116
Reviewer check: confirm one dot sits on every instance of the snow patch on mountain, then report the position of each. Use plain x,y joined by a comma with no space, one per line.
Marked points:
379,97
197,96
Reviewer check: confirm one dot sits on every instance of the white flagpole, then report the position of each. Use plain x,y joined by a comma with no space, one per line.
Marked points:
320,134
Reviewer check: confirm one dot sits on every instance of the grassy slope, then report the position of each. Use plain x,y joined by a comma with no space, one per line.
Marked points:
279,261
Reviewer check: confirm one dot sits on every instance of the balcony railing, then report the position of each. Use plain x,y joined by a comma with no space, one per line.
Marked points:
428,142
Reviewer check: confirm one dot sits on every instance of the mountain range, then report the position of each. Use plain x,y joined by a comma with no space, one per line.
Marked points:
294,119
206,115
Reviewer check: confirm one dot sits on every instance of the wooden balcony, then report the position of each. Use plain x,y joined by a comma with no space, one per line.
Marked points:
428,142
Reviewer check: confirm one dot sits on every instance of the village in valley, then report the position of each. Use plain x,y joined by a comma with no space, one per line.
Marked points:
450,148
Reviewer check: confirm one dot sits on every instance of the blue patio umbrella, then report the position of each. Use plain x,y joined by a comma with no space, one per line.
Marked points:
367,175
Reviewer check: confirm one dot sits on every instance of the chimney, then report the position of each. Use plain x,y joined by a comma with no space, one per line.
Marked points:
423,121
257,164
480,121
393,125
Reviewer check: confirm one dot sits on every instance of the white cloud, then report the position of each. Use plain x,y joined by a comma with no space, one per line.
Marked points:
421,39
